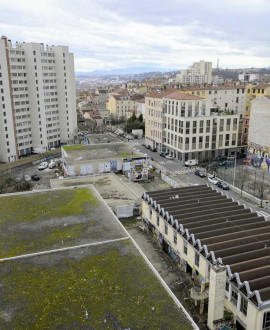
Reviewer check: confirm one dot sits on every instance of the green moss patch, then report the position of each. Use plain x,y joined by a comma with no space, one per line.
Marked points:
70,148
112,282
54,204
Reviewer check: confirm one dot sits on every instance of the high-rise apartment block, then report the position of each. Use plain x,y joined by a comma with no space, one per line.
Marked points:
198,73
37,98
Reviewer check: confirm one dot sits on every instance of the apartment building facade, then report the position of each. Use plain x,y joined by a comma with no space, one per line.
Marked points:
198,73
229,98
38,98
154,118
221,245
120,105
192,131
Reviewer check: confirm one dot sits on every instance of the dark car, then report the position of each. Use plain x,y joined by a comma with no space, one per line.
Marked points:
200,174
162,154
148,147
35,177
154,149
223,185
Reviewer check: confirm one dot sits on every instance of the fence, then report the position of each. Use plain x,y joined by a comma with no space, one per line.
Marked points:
170,181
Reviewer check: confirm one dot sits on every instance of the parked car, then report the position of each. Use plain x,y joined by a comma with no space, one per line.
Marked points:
27,177
222,163
144,144
154,149
162,154
191,162
200,174
223,185
148,147
35,177
169,156
42,166
212,179
52,165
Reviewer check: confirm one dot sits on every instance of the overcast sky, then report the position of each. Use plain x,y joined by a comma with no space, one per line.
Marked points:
108,34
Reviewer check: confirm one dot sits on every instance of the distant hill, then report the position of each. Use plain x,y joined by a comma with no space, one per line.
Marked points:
131,70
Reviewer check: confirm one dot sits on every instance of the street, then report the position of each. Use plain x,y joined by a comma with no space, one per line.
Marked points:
185,176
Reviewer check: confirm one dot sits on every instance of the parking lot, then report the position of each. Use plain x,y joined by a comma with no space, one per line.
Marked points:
45,176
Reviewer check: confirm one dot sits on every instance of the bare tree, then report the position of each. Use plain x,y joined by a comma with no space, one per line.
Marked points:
242,177
262,188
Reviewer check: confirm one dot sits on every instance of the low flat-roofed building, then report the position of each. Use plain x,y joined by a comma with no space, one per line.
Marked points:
99,158
75,267
224,246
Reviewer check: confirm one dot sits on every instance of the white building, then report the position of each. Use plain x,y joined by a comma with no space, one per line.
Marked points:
198,73
37,98
248,77
192,131
259,127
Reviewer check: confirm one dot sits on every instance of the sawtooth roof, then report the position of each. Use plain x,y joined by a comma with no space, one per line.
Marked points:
224,232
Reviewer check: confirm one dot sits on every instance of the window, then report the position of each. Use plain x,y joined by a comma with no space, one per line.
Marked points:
157,221
175,237
227,286
234,297
243,307
166,228
197,259
266,321
185,247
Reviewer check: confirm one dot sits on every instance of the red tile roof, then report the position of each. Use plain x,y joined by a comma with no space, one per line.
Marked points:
183,96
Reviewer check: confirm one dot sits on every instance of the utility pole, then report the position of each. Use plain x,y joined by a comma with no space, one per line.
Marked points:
234,169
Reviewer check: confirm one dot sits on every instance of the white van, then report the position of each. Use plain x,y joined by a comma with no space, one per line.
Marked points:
52,164
191,162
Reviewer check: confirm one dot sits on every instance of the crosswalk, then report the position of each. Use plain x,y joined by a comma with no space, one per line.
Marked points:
186,171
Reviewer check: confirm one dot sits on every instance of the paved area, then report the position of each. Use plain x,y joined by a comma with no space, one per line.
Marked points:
115,189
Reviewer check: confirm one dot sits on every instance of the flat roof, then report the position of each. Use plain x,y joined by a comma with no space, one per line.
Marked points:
102,138
222,231
103,151
104,283
115,190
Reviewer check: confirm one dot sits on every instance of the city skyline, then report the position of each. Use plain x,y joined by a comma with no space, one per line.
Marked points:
104,35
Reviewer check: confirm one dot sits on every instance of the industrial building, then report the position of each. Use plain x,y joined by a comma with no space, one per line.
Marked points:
223,245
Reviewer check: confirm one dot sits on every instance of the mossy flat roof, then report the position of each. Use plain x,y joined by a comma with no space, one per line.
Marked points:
80,154
111,282
49,220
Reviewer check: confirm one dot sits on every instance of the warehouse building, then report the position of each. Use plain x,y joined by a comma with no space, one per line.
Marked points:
224,247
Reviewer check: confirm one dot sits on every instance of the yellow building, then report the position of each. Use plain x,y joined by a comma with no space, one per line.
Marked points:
119,105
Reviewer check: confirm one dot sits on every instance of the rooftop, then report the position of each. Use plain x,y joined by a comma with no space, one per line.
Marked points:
224,232
183,96
106,285
101,151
